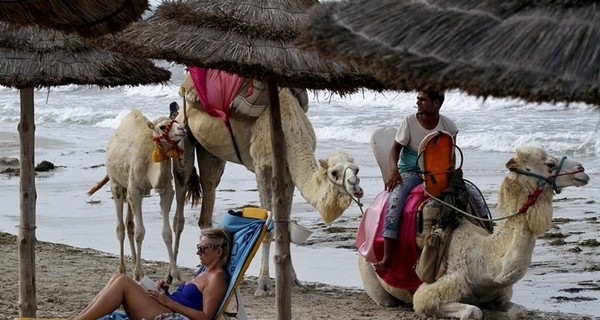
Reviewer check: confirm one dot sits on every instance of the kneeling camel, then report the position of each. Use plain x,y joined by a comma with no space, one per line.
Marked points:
481,267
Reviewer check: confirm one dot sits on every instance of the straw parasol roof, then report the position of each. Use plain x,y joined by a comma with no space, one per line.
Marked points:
88,18
250,38
31,57
535,50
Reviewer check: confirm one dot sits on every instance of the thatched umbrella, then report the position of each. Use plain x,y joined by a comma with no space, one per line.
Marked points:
29,58
254,39
535,50
251,38
89,18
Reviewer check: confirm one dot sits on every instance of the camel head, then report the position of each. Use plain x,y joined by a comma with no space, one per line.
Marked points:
547,170
338,169
529,188
169,130
167,135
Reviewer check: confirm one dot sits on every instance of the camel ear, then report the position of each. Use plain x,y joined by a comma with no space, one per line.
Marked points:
513,163
323,163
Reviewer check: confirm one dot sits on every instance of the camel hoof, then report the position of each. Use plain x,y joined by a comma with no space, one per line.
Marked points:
298,287
517,312
262,293
472,313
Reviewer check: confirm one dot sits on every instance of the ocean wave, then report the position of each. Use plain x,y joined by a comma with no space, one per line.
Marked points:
575,144
568,143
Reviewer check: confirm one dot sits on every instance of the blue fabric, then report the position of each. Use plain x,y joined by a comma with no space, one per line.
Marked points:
117,315
396,202
188,295
244,232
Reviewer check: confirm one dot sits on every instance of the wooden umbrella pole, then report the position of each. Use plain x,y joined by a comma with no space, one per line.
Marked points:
26,238
281,207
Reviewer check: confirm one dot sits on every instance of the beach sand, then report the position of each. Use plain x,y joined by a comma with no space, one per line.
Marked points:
69,277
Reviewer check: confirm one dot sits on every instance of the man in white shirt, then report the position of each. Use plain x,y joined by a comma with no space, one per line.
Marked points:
403,162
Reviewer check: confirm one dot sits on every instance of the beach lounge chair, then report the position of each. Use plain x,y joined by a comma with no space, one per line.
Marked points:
248,228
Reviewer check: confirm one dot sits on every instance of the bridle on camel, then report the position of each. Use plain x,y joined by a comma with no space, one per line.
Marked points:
357,200
531,198
174,151
164,135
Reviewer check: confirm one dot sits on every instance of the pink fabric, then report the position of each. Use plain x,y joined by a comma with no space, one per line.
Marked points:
216,90
368,227
400,274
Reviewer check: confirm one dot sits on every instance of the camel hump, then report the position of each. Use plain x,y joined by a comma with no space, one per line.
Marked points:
437,161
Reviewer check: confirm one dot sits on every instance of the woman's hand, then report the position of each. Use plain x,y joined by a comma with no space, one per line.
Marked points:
161,298
162,284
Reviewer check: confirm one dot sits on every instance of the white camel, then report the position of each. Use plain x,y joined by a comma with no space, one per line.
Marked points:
482,268
138,160
327,184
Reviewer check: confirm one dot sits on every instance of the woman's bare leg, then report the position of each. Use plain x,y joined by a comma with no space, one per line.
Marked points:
110,281
121,289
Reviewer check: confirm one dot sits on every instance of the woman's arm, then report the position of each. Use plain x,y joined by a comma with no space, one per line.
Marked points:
212,295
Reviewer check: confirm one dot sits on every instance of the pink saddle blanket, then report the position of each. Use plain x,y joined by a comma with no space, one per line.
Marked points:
216,90
369,240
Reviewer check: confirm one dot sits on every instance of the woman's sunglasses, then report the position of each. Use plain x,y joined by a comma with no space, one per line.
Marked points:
203,249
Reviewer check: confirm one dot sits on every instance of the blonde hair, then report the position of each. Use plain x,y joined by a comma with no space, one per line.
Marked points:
219,237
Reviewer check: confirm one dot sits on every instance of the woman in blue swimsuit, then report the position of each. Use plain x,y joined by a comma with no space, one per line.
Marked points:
199,298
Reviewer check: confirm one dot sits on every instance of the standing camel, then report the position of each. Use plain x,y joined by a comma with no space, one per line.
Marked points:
482,268
138,160
327,184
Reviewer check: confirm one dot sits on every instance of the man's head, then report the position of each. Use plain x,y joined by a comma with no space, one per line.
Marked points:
436,96
429,101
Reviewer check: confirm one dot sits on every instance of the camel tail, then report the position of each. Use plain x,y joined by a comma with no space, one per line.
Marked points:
194,190
98,186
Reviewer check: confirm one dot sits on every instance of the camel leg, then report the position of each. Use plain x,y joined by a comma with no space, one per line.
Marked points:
118,193
263,182
458,310
130,226
265,286
372,286
134,198
508,309
166,199
211,170
289,195
439,299
263,179
182,170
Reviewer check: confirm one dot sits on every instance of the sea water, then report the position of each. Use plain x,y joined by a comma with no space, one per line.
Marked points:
74,123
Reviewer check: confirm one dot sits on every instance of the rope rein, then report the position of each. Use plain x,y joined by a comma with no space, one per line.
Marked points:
531,198
442,202
164,135
356,200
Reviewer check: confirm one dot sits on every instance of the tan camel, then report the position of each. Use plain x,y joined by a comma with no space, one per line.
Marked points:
482,268
135,167
326,184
